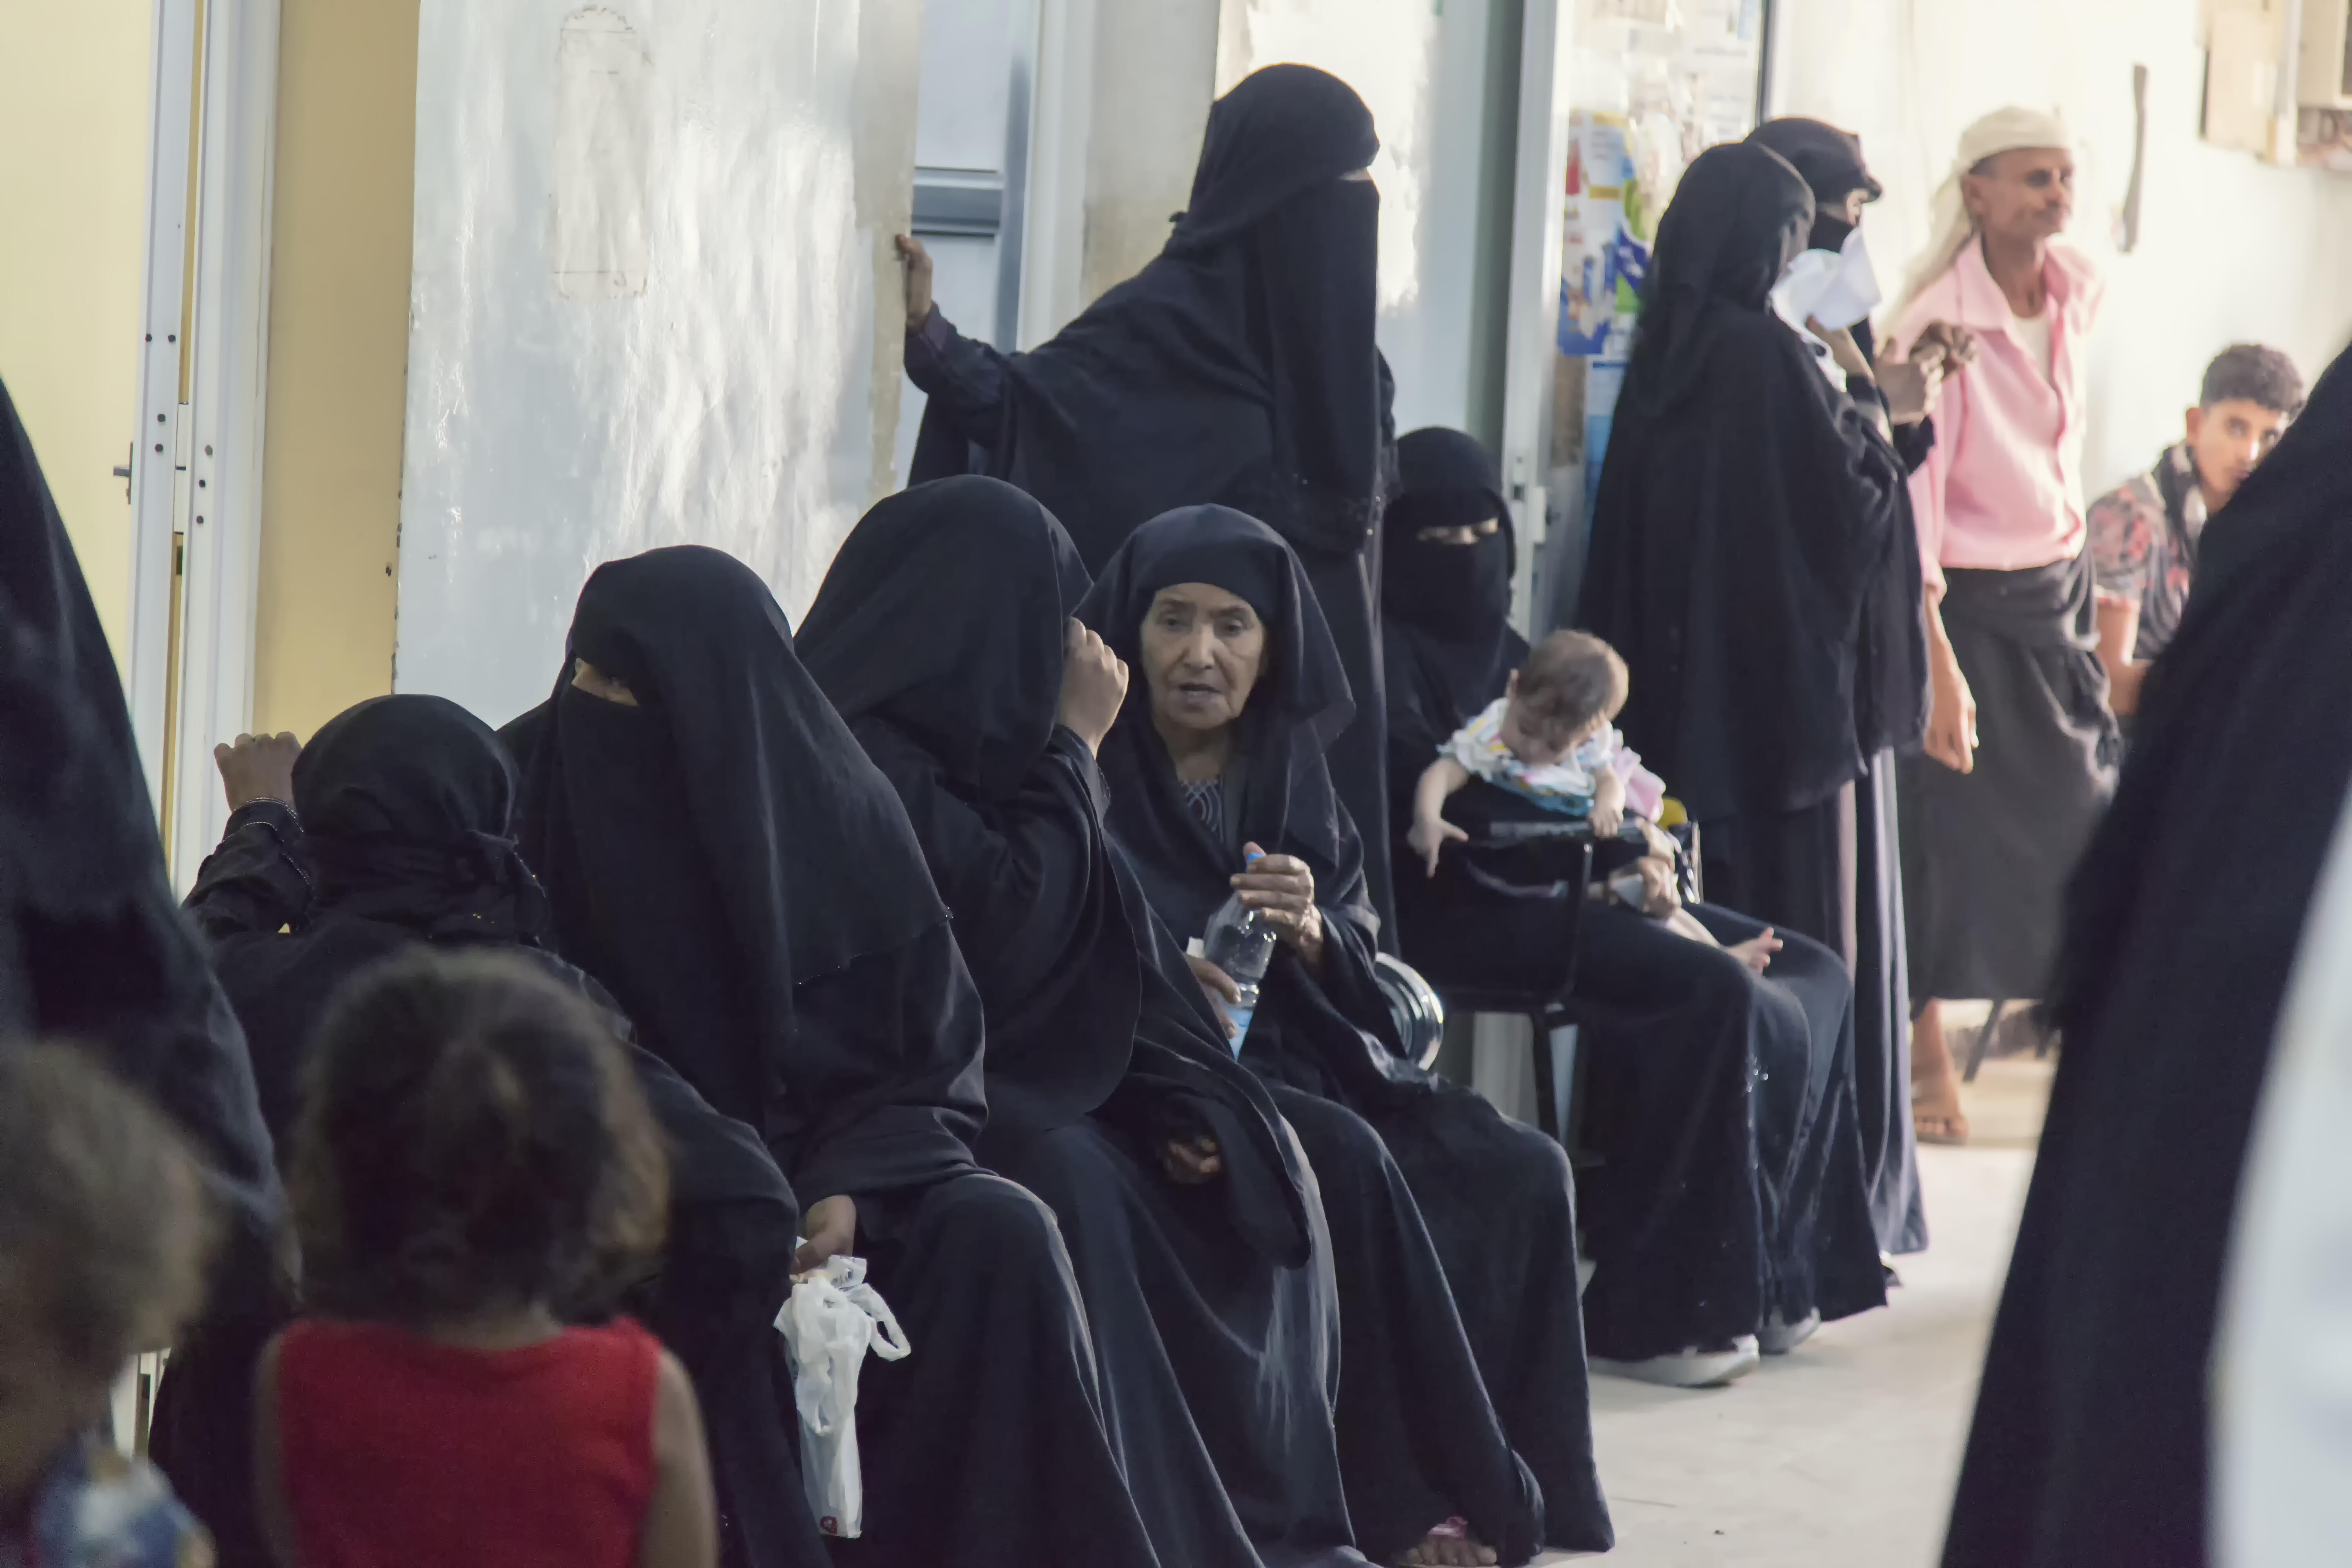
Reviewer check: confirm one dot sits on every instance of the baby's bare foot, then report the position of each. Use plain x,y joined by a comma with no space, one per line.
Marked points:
1757,951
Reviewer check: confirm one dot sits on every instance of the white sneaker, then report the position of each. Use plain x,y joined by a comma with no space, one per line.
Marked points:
1777,1338
1691,1369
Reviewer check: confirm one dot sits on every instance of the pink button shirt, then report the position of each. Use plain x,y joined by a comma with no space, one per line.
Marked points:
2003,488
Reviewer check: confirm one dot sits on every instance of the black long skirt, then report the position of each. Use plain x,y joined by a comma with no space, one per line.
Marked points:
1218,1368
1834,872
986,1447
1986,855
1419,1439
1721,1104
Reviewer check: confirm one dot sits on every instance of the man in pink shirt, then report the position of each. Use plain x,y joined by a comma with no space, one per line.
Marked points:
2021,745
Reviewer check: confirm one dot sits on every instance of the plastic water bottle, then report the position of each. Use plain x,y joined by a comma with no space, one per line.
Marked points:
1240,942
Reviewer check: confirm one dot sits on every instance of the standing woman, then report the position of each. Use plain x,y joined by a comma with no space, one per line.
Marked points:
720,854
1238,367
1890,695
2020,748
2168,1335
1748,520
1219,754
942,635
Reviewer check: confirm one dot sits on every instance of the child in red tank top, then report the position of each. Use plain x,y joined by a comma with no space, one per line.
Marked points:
474,1164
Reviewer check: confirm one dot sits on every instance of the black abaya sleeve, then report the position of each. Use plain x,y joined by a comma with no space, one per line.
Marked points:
253,884
964,379
883,1075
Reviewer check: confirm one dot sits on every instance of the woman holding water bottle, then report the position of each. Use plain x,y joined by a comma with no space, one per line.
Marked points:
942,636
1219,790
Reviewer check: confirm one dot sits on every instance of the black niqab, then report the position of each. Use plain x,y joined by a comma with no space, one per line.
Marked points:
1746,512
947,609
2092,1427
1739,217
1239,366
722,843
1445,608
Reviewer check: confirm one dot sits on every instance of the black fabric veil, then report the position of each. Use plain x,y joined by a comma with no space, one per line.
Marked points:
408,803
723,844
941,622
946,610
1239,365
1445,607
2091,1435
1745,513
1737,216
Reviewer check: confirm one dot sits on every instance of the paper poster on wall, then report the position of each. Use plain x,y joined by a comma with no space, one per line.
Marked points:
645,308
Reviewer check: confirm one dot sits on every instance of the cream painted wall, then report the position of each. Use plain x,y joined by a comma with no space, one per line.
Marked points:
338,359
73,117
2229,248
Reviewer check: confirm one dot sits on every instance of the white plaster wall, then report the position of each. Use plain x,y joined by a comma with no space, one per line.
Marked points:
718,363
2230,248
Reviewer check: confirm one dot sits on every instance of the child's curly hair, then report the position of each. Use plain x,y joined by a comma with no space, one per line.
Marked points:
106,1226
471,1137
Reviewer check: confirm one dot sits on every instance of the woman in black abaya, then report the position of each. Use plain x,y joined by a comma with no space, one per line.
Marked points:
2094,1437
1729,1201
940,636
93,950
393,829
1238,367
1890,711
1236,644
1749,541
720,854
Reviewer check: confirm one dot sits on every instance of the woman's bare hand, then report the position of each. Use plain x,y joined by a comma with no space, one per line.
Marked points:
916,263
1282,888
257,768
1094,685
1190,1161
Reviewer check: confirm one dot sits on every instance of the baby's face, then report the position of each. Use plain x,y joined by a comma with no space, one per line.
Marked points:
1537,744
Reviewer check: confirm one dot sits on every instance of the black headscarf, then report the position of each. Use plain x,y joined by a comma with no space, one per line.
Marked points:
1739,214
940,635
1239,366
2091,1432
1831,162
1445,607
946,609
1746,512
722,843
409,803
1285,802
92,947
1301,702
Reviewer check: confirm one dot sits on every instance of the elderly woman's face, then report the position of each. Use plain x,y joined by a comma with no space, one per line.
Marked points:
1202,651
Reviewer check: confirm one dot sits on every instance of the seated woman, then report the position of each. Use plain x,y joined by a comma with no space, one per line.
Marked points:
393,829
942,635
722,855
1218,755
1718,1216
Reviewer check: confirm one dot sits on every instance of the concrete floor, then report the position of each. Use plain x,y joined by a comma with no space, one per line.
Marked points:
1842,1455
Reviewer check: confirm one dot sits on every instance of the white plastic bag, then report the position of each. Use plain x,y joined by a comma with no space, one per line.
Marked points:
828,1322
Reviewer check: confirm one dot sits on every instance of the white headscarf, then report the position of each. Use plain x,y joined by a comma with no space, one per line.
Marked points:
2002,131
